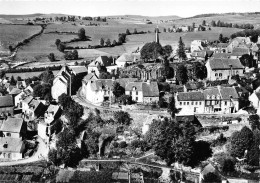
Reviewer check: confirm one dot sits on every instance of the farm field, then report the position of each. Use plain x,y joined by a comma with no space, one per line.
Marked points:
12,34
25,75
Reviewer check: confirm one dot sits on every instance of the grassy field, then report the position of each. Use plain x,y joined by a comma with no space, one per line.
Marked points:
27,74
12,34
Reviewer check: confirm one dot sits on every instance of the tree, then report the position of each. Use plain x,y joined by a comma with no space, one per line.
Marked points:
122,118
135,31
220,38
171,107
53,156
171,140
181,74
241,141
228,166
82,34
254,153
204,22
247,60
61,47
254,122
51,57
2,73
64,100
114,43
200,71
47,76
125,99
19,78
167,50
117,89
127,32
151,51
57,42
108,42
71,55
101,42
181,50
104,75
164,29
193,25
12,81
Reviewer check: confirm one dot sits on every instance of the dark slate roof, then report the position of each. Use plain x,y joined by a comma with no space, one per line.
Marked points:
222,45
149,90
224,64
238,51
90,76
102,60
6,101
221,55
190,96
12,125
210,92
107,83
228,92
78,69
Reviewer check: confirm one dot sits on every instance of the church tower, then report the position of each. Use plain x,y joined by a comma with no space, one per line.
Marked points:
157,35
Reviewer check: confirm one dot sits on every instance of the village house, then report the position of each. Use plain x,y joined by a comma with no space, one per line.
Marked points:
221,99
143,92
220,69
36,109
239,52
20,97
21,84
192,102
11,148
101,61
68,80
198,45
25,103
44,127
98,91
127,59
14,127
254,98
6,104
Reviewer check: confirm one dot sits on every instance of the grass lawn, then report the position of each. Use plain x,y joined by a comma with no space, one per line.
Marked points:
12,34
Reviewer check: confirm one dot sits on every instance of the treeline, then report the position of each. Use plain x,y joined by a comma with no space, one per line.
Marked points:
95,19
52,68
225,24
246,33
216,14
27,40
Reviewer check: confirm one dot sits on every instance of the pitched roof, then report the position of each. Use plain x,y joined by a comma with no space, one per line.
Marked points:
258,95
53,109
221,55
176,88
149,89
210,92
12,125
13,144
239,51
6,101
128,57
15,91
90,76
224,64
222,45
28,99
228,92
102,60
78,69
190,96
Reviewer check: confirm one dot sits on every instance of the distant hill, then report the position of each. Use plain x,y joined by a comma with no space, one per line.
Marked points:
170,17
20,16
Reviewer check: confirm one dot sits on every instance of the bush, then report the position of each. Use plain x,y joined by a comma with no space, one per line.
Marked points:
135,144
71,55
122,144
51,57
115,144
228,166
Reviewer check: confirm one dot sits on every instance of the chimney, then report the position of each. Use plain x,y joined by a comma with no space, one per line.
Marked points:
230,66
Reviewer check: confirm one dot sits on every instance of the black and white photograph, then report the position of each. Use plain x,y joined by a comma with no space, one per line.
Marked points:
130,91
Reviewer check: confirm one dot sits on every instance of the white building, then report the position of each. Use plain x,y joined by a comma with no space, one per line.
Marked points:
127,58
102,61
223,68
11,148
14,128
198,45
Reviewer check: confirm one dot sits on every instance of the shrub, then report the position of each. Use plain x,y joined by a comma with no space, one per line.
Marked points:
51,57
228,166
115,144
135,144
122,144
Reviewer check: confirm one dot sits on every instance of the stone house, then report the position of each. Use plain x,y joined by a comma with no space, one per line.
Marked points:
198,45
192,102
143,92
36,109
11,148
127,58
103,61
6,104
14,128
220,69
68,80
20,97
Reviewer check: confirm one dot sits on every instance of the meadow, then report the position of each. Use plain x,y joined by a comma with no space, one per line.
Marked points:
12,34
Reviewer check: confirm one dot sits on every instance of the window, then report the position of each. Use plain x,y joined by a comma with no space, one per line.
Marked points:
184,103
208,97
220,74
180,103
225,102
216,74
136,98
208,102
8,134
213,96
188,103
130,93
136,92
196,103
192,103
200,103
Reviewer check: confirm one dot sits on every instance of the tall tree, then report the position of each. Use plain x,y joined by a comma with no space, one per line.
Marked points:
220,38
151,51
172,107
127,32
82,34
101,42
200,71
254,122
181,50
181,74
108,42
117,89
167,50
12,81
204,22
